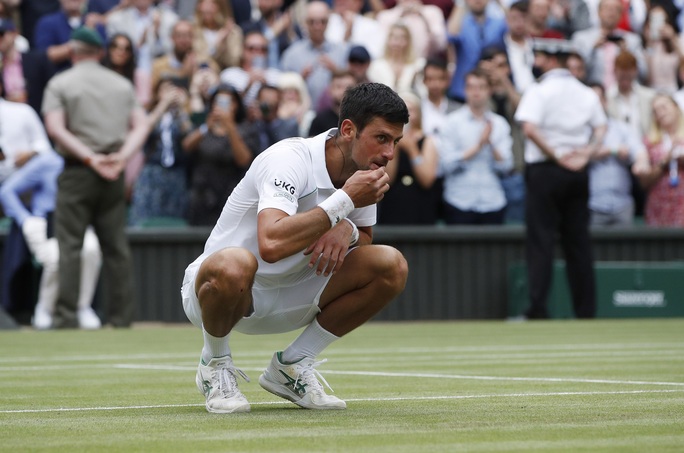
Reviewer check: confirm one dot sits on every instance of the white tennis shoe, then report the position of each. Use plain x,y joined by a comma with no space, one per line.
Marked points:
87,319
217,381
299,383
42,319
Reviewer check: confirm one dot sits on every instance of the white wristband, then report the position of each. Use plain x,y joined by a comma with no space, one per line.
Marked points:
337,206
355,232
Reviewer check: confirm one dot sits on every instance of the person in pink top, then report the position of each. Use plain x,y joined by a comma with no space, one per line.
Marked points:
665,180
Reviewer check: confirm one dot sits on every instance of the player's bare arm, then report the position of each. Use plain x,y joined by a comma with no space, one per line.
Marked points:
281,235
328,252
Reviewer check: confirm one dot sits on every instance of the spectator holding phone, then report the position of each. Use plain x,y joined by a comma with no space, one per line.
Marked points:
601,44
264,116
161,188
202,86
182,61
222,149
663,50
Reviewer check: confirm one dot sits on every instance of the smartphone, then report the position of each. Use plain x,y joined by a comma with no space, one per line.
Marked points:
655,23
259,62
223,101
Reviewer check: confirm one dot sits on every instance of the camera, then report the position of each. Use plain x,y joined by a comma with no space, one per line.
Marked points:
177,81
265,108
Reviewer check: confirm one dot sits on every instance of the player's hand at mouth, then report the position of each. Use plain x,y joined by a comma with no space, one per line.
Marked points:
366,187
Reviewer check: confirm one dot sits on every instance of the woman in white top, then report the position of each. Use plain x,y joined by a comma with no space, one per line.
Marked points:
399,67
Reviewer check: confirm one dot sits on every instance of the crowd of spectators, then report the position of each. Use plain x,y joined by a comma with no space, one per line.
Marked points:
221,80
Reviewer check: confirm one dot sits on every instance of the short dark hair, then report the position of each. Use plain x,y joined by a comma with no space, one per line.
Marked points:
267,87
435,62
489,52
478,73
341,73
597,85
523,6
366,101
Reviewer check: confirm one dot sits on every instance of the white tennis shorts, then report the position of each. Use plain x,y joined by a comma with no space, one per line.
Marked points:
277,308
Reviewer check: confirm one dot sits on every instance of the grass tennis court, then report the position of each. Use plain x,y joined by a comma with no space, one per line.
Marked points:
572,386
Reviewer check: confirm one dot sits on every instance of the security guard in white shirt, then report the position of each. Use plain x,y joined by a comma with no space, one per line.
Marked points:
564,124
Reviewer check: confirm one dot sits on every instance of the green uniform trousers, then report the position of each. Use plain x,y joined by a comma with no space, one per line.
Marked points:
84,198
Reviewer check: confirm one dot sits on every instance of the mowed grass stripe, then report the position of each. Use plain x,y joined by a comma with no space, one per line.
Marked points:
511,351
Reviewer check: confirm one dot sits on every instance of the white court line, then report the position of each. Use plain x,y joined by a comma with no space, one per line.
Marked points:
503,378
131,366
425,375
403,398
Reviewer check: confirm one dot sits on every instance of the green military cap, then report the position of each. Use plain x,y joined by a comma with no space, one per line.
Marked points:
88,36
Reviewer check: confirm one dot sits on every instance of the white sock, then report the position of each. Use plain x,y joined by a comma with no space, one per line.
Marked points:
311,342
214,346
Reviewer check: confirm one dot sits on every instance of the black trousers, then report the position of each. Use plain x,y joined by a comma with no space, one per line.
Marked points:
557,204
454,216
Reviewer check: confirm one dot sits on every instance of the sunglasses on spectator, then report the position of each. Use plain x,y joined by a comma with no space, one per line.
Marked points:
317,21
257,48
117,47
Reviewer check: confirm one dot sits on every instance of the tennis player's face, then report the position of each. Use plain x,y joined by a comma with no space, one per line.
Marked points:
375,145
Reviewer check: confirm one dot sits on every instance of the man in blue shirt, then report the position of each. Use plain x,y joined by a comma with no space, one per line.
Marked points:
471,29
315,58
53,31
610,183
473,146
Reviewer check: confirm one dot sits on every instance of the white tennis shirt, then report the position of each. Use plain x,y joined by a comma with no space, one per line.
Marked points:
291,176
564,111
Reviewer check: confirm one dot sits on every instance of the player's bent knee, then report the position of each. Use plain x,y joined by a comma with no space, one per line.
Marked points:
391,266
400,270
228,272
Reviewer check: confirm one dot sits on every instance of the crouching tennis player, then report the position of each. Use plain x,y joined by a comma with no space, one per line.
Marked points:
292,248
